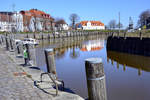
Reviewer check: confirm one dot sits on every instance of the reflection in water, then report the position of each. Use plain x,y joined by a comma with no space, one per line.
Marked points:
60,47
70,58
130,56
92,45
134,61
59,53
74,54
116,52
120,85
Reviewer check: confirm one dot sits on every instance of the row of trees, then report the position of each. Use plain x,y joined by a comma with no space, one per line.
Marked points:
143,19
74,18
142,22
113,25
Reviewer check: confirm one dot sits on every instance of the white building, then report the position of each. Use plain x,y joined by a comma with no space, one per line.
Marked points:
11,22
65,26
60,24
6,22
6,26
36,20
61,27
90,25
18,21
26,21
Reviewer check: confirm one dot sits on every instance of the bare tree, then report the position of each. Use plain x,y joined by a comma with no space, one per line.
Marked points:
74,18
112,24
143,17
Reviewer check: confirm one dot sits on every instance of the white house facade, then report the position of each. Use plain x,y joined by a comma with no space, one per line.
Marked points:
26,21
65,26
5,26
18,20
90,25
61,25
11,22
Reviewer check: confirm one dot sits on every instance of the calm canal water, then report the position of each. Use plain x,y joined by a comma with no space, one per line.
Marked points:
127,76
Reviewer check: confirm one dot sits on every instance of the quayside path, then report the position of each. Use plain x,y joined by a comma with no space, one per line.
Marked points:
17,84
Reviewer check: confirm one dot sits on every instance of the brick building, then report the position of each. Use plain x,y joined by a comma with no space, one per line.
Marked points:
6,22
36,20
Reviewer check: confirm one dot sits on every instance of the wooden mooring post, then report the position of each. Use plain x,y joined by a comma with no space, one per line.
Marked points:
95,79
118,34
34,36
7,44
28,51
140,35
17,47
125,34
27,36
2,39
11,44
50,61
51,67
112,34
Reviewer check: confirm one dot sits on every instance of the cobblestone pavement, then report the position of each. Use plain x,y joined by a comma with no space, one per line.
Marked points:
14,87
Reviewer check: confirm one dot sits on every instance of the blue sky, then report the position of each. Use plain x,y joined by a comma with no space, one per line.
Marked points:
102,10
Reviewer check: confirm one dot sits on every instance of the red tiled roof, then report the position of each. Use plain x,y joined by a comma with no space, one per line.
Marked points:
36,13
27,15
93,23
92,49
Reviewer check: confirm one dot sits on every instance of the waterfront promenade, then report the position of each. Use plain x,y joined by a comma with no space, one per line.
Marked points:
17,82
16,87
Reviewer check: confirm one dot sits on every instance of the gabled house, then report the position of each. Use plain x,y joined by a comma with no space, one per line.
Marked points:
7,23
61,25
36,20
26,21
90,25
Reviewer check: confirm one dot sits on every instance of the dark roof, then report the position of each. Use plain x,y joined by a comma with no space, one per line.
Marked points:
6,16
7,13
